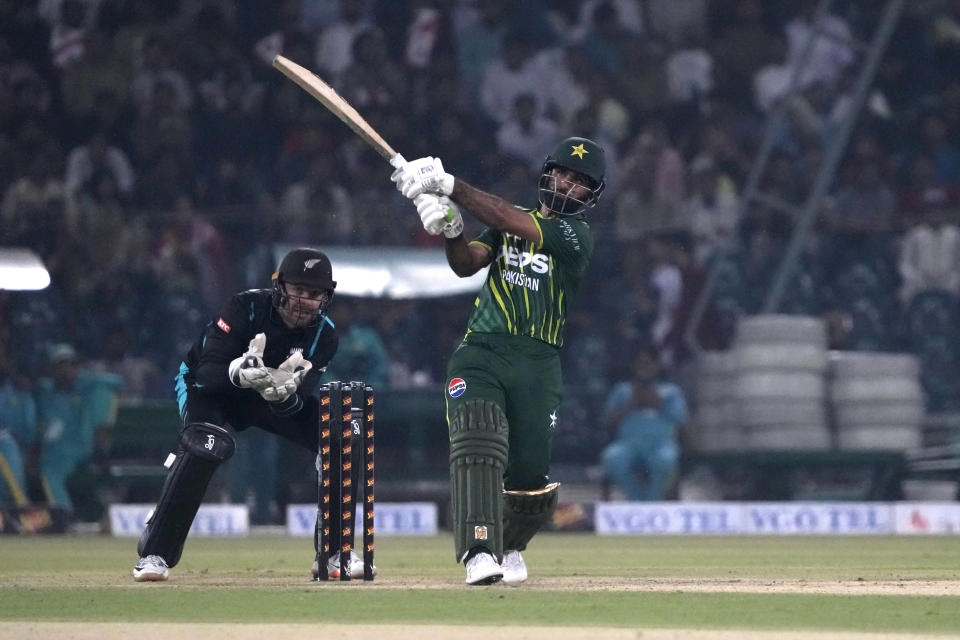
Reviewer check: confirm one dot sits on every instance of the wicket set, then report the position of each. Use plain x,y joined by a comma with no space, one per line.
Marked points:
337,411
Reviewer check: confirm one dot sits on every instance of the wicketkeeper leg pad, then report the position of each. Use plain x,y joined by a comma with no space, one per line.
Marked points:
525,513
478,456
203,448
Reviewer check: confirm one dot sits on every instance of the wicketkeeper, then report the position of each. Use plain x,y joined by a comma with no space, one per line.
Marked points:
255,365
504,385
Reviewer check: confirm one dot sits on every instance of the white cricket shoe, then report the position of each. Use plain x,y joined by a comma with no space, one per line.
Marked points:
333,566
483,569
151,569
514,568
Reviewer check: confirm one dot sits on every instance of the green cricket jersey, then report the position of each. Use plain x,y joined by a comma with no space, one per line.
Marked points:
529,286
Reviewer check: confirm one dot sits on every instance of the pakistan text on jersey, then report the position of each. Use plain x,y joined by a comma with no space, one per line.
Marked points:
521,279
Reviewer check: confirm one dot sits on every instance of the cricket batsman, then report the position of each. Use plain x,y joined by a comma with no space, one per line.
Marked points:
503,381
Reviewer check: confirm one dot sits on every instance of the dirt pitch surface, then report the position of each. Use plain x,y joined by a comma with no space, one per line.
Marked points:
169,631
190,579
154,631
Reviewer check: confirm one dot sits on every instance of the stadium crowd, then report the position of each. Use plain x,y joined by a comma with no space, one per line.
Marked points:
152,157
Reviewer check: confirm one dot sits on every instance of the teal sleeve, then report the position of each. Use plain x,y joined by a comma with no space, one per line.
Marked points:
617,398
675,405
101,391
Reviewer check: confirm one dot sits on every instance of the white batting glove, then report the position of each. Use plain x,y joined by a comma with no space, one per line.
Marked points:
423,175
439,215
248,371
286,379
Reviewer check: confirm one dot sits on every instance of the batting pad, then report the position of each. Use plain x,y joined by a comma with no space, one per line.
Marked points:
203,447
525,513
478,455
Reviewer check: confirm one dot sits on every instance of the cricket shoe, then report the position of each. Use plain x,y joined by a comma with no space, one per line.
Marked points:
151,569
514,568
483,569
333,566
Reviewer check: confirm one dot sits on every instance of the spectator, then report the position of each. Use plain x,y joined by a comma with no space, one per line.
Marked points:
646,413
666,280
373,79
98,154
362,354
39,190
514,72
102,71
230,109
76,408
831,52
18,434
690,73
930,249
161,127
930,258
608,45
525,135
289,38
764,234
741,48
712,208
298,206
334,45
939,142
193,249
653,187
479,39
141,377
68,39
427,34
629,16
572,84
159,65
865,205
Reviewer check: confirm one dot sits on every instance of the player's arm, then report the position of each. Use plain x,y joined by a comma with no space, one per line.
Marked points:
495,212
466,258
426,176
224,339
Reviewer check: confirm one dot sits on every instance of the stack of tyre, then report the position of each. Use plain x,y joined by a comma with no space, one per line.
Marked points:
780,383
877,400
715,424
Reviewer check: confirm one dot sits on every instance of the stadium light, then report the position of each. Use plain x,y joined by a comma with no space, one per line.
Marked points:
22,270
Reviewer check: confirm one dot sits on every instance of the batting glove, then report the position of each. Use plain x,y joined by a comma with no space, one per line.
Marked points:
439,215
423,175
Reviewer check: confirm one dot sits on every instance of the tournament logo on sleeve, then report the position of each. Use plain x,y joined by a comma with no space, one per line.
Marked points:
223,325
456,387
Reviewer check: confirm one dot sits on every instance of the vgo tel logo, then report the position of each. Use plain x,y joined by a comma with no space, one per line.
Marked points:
456,387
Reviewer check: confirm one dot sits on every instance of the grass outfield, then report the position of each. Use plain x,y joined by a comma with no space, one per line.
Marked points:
576,580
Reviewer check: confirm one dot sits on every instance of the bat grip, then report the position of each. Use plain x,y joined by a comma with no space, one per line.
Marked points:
396,161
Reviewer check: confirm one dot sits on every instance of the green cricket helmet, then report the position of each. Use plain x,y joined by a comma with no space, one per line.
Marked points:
586,158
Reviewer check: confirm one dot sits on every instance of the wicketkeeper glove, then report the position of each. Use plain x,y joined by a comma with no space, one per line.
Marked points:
423,175
286,378
248,371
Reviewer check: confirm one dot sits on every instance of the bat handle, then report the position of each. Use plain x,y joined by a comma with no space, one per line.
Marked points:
397,160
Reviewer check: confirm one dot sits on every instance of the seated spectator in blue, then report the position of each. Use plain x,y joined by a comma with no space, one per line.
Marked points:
18,434
76,409
362,354
647,414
